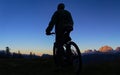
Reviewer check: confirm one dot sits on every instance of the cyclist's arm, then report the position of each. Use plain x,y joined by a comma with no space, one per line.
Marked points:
51,23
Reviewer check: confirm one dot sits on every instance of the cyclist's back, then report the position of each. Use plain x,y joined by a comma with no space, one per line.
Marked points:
63,20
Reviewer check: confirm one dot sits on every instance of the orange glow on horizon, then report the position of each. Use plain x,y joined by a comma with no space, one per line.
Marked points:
39,53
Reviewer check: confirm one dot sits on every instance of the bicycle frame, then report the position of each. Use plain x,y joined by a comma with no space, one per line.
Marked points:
76,53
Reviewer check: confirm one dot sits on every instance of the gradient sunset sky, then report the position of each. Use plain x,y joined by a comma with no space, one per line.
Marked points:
23,24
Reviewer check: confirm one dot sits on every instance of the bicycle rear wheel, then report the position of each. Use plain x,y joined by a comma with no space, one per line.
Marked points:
75,56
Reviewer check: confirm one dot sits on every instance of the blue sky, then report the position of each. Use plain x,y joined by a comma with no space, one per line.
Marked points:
23,24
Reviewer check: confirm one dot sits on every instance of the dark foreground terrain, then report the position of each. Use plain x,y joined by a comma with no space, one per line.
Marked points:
46,67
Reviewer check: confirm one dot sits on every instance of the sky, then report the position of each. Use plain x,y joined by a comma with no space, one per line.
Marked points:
23,24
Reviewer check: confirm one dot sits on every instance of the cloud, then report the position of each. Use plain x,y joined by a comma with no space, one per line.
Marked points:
88,51
105,49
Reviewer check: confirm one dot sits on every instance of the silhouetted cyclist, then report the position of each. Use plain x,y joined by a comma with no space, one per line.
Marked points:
63,22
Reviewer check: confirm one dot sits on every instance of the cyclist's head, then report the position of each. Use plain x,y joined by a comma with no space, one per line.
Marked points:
61,6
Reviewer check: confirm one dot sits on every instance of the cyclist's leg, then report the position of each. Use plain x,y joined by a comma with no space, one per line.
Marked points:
60,51
68,48
67,36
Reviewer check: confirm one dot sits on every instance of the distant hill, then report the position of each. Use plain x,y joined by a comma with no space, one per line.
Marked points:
96,57
99,57
46,56
4,54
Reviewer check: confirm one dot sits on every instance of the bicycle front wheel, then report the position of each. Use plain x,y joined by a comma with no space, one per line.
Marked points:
75,56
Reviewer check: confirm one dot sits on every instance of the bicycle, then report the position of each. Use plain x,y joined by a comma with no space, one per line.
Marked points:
71,55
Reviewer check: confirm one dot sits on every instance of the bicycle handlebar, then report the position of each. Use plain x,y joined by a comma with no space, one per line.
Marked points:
52,33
